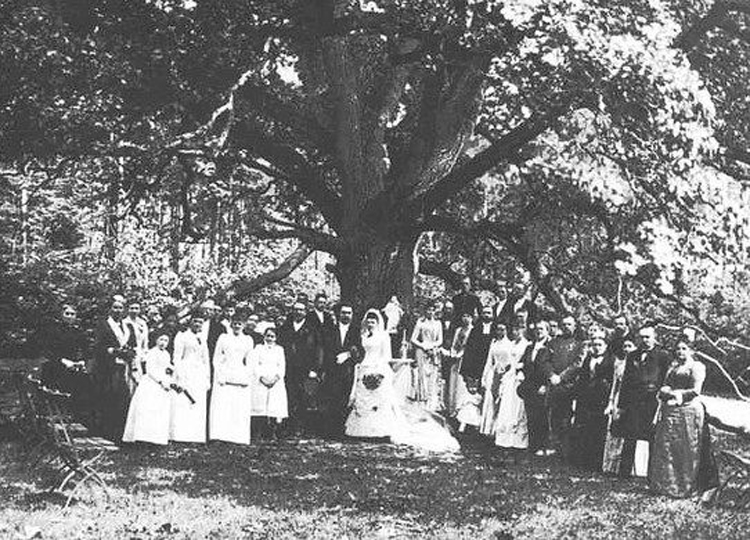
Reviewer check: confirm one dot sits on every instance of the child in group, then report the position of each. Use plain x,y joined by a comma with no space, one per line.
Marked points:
267,388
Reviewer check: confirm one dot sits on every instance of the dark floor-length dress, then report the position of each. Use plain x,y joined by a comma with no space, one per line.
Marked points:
681,462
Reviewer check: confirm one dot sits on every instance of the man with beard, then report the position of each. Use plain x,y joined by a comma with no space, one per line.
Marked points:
339,370
304,365
533,388
477,346
644,374
561,370
466,302
620,335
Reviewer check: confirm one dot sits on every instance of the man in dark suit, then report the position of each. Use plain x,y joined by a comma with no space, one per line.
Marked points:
322,321
561,370
339,369
477,347
465,302
644,374
304,365
533,389
620,335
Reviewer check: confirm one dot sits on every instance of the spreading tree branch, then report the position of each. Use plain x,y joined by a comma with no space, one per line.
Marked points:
243,288
505,148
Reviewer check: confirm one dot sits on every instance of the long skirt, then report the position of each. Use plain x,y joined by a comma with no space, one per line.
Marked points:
511,430
149,414
612,451
374,404
427,382
230,414
188,419
269,402
681,462
588,435
450,387
487,420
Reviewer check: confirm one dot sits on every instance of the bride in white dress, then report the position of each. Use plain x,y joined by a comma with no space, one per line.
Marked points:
376,410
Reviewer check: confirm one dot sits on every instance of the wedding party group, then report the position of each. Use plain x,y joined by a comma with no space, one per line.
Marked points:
607,400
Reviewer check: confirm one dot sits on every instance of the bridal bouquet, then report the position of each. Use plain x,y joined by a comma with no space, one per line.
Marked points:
371,381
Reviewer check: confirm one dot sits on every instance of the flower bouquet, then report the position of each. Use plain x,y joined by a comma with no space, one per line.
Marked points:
372,381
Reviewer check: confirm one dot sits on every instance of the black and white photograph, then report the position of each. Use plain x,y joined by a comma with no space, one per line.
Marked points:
338,269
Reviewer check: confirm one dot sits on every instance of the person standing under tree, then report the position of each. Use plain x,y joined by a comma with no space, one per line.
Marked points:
511,427
561,369
427,338
645,370
149,413
229,418
682,462
111,369
193,376
533,388
455,355
498,361
339,373
268,388
465,301
138,340
468,395
591,391
304,364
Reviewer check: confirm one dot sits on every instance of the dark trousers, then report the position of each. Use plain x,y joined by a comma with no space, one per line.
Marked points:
536,416
559,411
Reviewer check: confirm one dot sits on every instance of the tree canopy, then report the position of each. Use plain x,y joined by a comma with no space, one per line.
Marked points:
600,147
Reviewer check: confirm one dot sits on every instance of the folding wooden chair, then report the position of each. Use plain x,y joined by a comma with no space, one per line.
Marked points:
734,490
62,440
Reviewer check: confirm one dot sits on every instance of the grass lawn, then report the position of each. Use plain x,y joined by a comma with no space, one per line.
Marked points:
317,489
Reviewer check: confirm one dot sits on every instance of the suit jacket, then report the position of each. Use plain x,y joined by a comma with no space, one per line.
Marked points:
302,349
644,375
592,386
325,330
475,352
534,370
449,330
103,362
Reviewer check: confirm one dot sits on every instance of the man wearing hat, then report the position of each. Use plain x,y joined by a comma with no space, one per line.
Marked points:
212,329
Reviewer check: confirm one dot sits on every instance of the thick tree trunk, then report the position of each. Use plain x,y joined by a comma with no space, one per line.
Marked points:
376,269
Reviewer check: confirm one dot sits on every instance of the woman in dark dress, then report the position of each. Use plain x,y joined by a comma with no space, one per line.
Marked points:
112,369
591,392
681,462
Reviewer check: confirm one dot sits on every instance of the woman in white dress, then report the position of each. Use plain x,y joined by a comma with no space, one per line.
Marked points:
193,378
498,361
376,410
511,429
373,400
267,388
229,418
427,339
149,412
